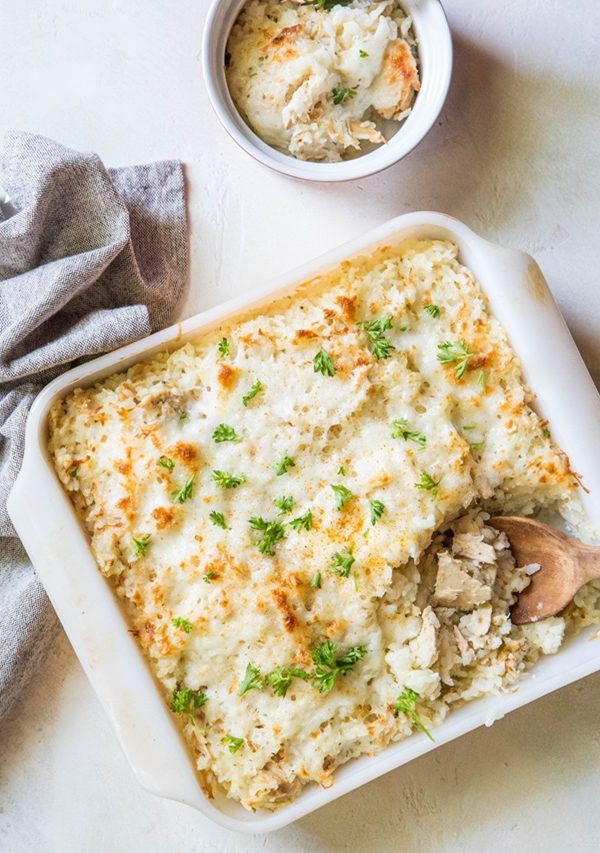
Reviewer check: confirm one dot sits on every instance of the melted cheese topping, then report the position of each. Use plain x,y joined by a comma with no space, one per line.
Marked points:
479,442
317,83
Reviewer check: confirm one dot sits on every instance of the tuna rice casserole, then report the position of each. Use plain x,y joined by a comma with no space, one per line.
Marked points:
293,509
318,79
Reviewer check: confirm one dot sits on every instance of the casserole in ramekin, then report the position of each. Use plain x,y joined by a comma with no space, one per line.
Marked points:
435,64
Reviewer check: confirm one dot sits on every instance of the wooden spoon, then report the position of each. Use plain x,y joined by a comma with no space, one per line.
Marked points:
566,565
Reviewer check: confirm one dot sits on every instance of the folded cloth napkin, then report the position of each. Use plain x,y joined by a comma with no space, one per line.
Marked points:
90,259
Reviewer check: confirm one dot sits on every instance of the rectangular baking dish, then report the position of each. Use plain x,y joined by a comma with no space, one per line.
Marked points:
92,617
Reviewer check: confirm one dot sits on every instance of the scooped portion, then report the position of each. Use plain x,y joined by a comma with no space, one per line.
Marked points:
317,79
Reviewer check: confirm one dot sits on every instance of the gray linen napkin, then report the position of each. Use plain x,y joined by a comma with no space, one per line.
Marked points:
90,259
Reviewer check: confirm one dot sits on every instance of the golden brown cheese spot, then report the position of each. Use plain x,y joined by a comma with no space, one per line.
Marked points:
163,516
184,453
286,611
348,306
226,375
126,507
302,335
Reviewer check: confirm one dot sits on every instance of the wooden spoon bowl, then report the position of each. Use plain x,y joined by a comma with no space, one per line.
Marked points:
565,566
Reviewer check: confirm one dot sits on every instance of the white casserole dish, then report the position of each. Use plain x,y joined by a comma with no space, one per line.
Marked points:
91,614
435,64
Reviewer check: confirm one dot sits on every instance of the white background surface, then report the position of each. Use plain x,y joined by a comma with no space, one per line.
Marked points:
516,156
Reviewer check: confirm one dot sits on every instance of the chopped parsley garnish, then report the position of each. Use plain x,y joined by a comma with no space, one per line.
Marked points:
327,5
342,495
140,544
428,484
281,678
340,93
315,581
218,519
450,352
379,345
223,347
546,432
377,510
186,701
226,480
433,311
233,743
284,504
283,464
481,380
399,430
272,533
183,416
476,445
302,522
341,563
341,470
329,665
180,622
165,462
363,54
255,389
224,432
322,363
469,426
180,496
74,471
406,703
252,680
209,576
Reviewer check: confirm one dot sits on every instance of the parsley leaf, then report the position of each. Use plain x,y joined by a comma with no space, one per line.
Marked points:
233,743
342,495
140,544
226,480
209,576
223,347
340,93
74,471
363,54
272,533
398,430
455,351
165,462
180,496
180,622
322,363
546,432
377,510
406,703
218,519
183,416
315,581
341,563
281,678
284,504
255,389
327,5
252,680
428,484
186,701
224,432
329,665
379,345
302,522
433,310
341,470
283,464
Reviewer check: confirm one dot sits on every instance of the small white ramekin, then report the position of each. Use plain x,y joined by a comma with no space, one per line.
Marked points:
435,60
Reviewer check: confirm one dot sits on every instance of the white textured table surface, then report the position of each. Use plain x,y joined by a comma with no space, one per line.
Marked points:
515,154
